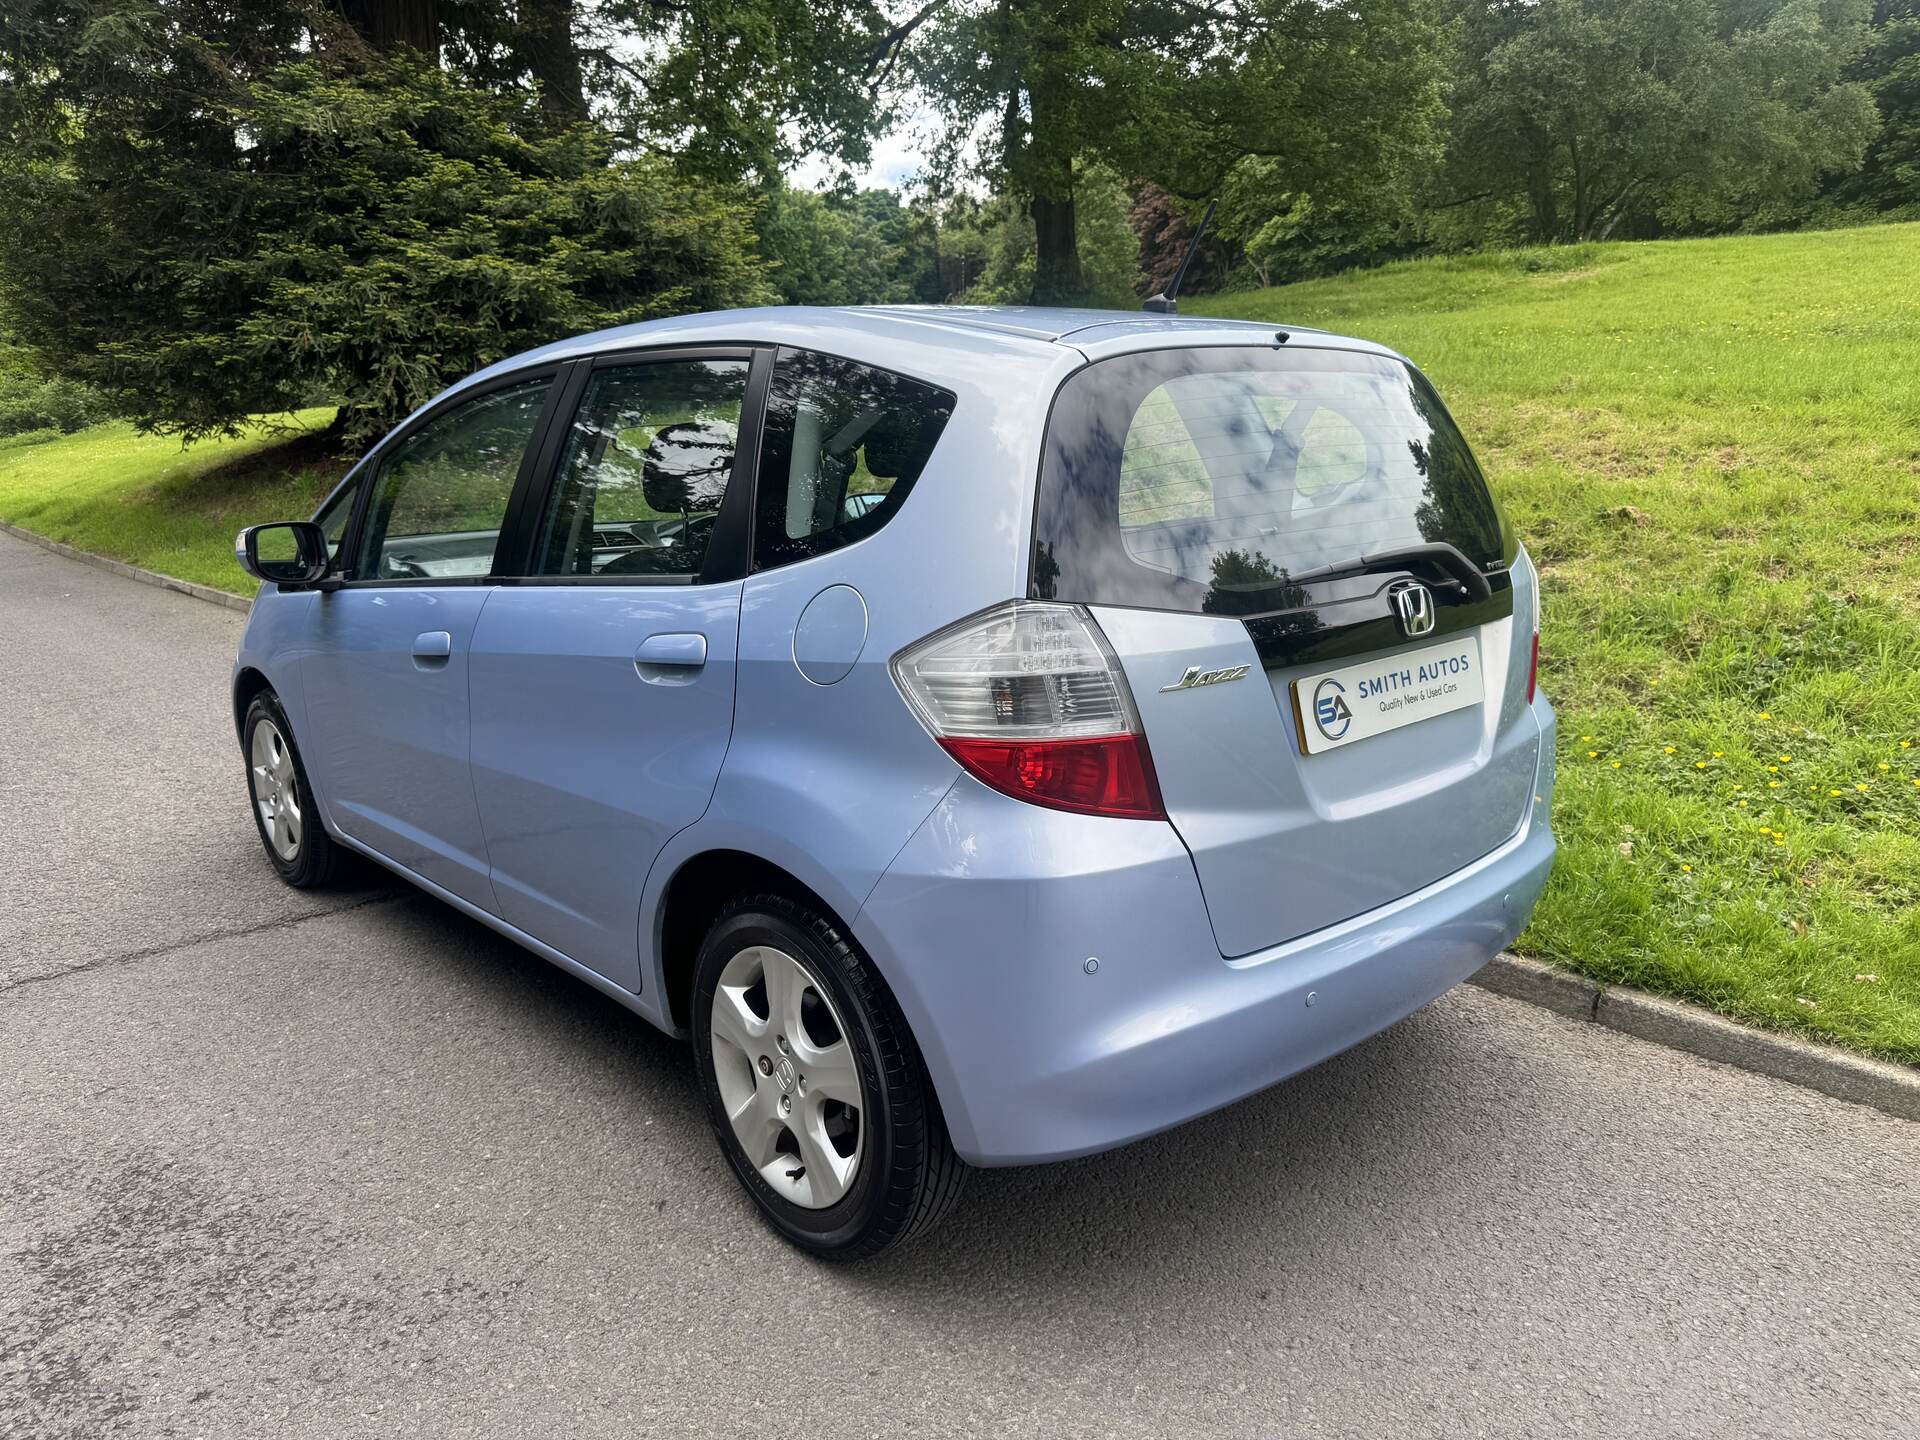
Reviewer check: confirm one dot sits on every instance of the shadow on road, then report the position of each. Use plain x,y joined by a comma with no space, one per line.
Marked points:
1297,1170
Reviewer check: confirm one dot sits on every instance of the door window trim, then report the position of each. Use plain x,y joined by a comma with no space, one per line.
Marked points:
556,374
731,548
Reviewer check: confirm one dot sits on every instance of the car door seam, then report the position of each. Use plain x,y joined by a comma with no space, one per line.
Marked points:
473,782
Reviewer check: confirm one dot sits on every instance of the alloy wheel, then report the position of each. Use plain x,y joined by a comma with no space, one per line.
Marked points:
276,795
787,1076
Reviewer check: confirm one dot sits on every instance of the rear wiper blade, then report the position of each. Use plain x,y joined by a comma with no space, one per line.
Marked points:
1449,558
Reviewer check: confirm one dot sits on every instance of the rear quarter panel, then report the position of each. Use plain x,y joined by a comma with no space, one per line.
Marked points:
830,781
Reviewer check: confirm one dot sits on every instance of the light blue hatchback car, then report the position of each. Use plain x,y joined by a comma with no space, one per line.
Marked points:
992,735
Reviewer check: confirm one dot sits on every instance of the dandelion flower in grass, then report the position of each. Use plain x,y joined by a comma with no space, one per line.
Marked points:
1885,766
1833,792
1786,759
1861,786
1593,754
1687,868
1765,716
1773,769
1669,749
1586,737
1699,764
1773,784
1616,764
1906,744
1778,841
1716,754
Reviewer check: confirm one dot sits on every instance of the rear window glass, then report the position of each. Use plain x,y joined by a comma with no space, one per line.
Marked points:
1215,479
843,445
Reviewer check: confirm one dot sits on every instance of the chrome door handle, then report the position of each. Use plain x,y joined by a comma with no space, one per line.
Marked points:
670,657
432,645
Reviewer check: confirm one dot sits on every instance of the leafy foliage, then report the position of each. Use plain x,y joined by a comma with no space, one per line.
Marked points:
732,87
39,406
1889,179
989,248
866,248
1177,92
203,247
1598,114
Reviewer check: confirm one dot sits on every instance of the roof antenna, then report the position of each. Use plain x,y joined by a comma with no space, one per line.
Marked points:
1168,300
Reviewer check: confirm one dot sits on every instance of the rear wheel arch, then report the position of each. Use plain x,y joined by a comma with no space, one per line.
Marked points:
700,889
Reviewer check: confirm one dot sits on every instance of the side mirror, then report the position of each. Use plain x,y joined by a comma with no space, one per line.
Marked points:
289,552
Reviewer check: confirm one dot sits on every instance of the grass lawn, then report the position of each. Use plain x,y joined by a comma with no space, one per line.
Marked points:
1712,449
146,500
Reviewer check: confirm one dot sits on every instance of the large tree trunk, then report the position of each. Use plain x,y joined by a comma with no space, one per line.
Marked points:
387,24
553,61
1049,185
1546,212
1056,266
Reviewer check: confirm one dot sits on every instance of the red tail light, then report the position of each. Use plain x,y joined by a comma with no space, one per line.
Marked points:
1102,775
1031,700
1533,668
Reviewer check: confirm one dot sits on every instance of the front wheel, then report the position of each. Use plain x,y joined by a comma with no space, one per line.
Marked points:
814,1084
302,852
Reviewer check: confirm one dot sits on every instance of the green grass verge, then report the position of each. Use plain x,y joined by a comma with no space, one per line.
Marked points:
1712,449
146,500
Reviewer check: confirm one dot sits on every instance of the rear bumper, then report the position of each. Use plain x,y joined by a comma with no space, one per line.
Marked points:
985,924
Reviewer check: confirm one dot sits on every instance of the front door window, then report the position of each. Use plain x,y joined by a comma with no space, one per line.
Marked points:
441,497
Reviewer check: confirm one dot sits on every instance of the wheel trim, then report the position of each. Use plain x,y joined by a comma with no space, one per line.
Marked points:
791,1099
276,795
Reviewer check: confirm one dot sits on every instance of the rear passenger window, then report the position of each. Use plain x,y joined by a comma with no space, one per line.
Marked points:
843,445
647,462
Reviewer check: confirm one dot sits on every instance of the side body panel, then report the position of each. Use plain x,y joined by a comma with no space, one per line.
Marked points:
587,760
387,729
275,643
828,781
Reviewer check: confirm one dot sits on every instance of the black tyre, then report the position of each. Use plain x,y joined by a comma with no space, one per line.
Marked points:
814,1084
305,856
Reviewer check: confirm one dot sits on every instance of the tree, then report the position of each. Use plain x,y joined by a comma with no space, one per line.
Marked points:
1687,113
732,88
838,249
390,24
1176,92
1889,179
1164,228
206,229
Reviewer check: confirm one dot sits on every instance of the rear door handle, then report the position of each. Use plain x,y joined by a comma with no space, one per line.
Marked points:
431,645
670,657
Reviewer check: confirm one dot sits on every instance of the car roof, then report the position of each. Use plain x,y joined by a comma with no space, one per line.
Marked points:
934,342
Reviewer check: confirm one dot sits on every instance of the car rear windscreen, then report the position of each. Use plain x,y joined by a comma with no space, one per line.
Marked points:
1215,479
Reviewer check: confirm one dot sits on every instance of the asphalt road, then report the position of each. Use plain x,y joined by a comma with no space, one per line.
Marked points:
278,1165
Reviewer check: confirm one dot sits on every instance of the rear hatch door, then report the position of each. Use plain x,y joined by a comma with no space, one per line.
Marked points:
1324,620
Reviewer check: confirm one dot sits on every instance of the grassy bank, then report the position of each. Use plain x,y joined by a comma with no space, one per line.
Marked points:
146,500
1712,448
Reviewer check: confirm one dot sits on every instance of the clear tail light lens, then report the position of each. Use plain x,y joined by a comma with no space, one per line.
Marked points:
1029,699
